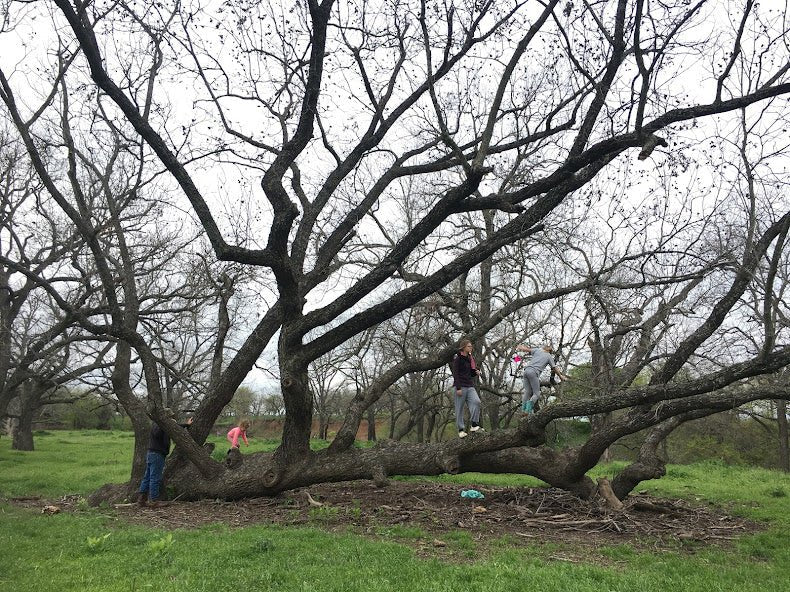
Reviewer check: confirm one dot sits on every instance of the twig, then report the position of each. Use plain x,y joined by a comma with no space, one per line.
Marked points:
311,501
540,505
560,558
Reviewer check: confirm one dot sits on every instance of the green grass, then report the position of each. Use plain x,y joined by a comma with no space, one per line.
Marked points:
65,462
81,461
91,550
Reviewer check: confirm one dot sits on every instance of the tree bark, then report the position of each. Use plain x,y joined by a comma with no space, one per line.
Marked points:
784,441
420,423
323,426
23,427
135,409
29,402
298,410
253,476
605,491
649,464
371,424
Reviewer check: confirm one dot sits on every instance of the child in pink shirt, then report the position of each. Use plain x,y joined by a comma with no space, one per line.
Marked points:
240,430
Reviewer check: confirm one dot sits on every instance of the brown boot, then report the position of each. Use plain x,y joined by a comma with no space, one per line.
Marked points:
142,498
155,504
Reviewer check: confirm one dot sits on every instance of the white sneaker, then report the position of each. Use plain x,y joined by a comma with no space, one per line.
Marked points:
476,429
461,434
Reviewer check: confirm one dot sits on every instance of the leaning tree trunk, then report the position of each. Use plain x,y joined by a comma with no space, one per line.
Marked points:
515,450
142,428
251,475
141,425
649,465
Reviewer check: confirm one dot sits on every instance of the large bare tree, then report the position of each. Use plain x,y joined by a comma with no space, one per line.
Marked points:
514,115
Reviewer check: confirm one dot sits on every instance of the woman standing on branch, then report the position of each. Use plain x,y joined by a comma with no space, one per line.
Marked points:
465,370
541,357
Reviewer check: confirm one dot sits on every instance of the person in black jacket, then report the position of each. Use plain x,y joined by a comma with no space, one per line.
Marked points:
158,449
464,372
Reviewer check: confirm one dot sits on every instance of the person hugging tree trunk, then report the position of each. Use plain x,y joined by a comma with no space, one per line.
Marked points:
158,449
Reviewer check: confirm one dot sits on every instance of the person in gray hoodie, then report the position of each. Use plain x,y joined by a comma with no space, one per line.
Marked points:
540,358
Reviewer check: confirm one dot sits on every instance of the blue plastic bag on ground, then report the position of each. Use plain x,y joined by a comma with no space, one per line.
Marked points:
472,494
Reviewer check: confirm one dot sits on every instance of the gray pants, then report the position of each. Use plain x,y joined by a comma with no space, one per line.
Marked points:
531,386
470,397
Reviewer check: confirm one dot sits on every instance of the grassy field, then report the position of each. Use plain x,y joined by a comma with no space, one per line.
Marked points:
93,550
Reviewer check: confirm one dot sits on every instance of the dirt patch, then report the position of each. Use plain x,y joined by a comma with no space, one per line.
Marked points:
431,516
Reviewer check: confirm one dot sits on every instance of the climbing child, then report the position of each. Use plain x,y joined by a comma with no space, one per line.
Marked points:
239,431
541,357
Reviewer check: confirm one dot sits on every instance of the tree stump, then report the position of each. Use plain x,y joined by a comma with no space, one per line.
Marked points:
605,491
234,458
380,476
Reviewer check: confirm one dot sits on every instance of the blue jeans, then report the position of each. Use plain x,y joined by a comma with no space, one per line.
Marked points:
152,481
